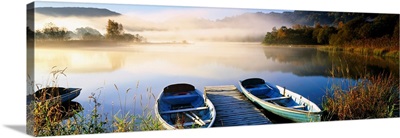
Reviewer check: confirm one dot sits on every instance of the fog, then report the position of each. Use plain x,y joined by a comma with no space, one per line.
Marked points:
175,25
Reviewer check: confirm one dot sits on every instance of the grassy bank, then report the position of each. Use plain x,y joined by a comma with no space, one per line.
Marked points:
50,118
381,52
384,47
369,97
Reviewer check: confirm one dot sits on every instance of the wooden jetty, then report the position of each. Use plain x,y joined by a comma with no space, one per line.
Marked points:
233,108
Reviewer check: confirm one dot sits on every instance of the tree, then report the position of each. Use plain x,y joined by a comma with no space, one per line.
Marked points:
340,25
269,38
324,34
114,30
297,27
53,32
384,25
39,35
365,31
282,32
274,29
139,38
87,33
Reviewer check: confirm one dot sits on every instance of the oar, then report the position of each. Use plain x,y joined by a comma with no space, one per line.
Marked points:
194,119
202,122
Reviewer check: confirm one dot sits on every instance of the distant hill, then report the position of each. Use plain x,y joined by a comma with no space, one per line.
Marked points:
75,11
308,18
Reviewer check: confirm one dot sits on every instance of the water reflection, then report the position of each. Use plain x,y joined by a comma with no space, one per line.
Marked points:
181,59
312,62
78,61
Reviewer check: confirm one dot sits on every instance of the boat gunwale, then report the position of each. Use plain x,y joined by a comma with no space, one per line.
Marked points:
75,93
279,107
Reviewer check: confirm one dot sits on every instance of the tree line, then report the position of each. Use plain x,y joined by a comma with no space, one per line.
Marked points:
359,27
115,32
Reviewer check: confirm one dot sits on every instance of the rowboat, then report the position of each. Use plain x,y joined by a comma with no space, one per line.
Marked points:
280,101
57,94
181,106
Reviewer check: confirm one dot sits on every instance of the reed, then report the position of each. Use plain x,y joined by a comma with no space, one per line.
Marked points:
45,118
383,47
366,97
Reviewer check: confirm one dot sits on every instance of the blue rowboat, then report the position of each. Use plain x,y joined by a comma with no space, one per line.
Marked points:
55,94
280,101
181,106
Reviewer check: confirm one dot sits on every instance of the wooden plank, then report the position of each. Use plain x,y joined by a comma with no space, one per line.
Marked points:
240,114
226,114
184,110
246,119
275,98
237,123
227,100
226,96
234,102
222,124
236,107
220,88
237,112
233,108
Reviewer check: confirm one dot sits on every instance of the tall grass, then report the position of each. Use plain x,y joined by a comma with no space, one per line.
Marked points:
43,115
367,97
383,47
45,118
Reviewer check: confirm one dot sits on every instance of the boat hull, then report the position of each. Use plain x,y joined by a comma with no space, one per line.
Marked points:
63,95
168,126
288,113
207,112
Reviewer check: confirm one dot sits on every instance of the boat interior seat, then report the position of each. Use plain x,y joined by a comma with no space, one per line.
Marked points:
180,99
261,90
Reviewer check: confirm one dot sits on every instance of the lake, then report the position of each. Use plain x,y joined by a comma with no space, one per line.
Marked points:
126,77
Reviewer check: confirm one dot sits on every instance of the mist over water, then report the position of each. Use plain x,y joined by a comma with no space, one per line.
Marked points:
176,25
148,66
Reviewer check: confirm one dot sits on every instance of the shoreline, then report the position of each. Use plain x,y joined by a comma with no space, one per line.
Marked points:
366,51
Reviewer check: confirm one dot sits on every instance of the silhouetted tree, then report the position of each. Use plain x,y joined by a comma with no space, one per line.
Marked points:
53,32
114,30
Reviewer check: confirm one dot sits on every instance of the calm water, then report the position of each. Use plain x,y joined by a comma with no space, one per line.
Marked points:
148,68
